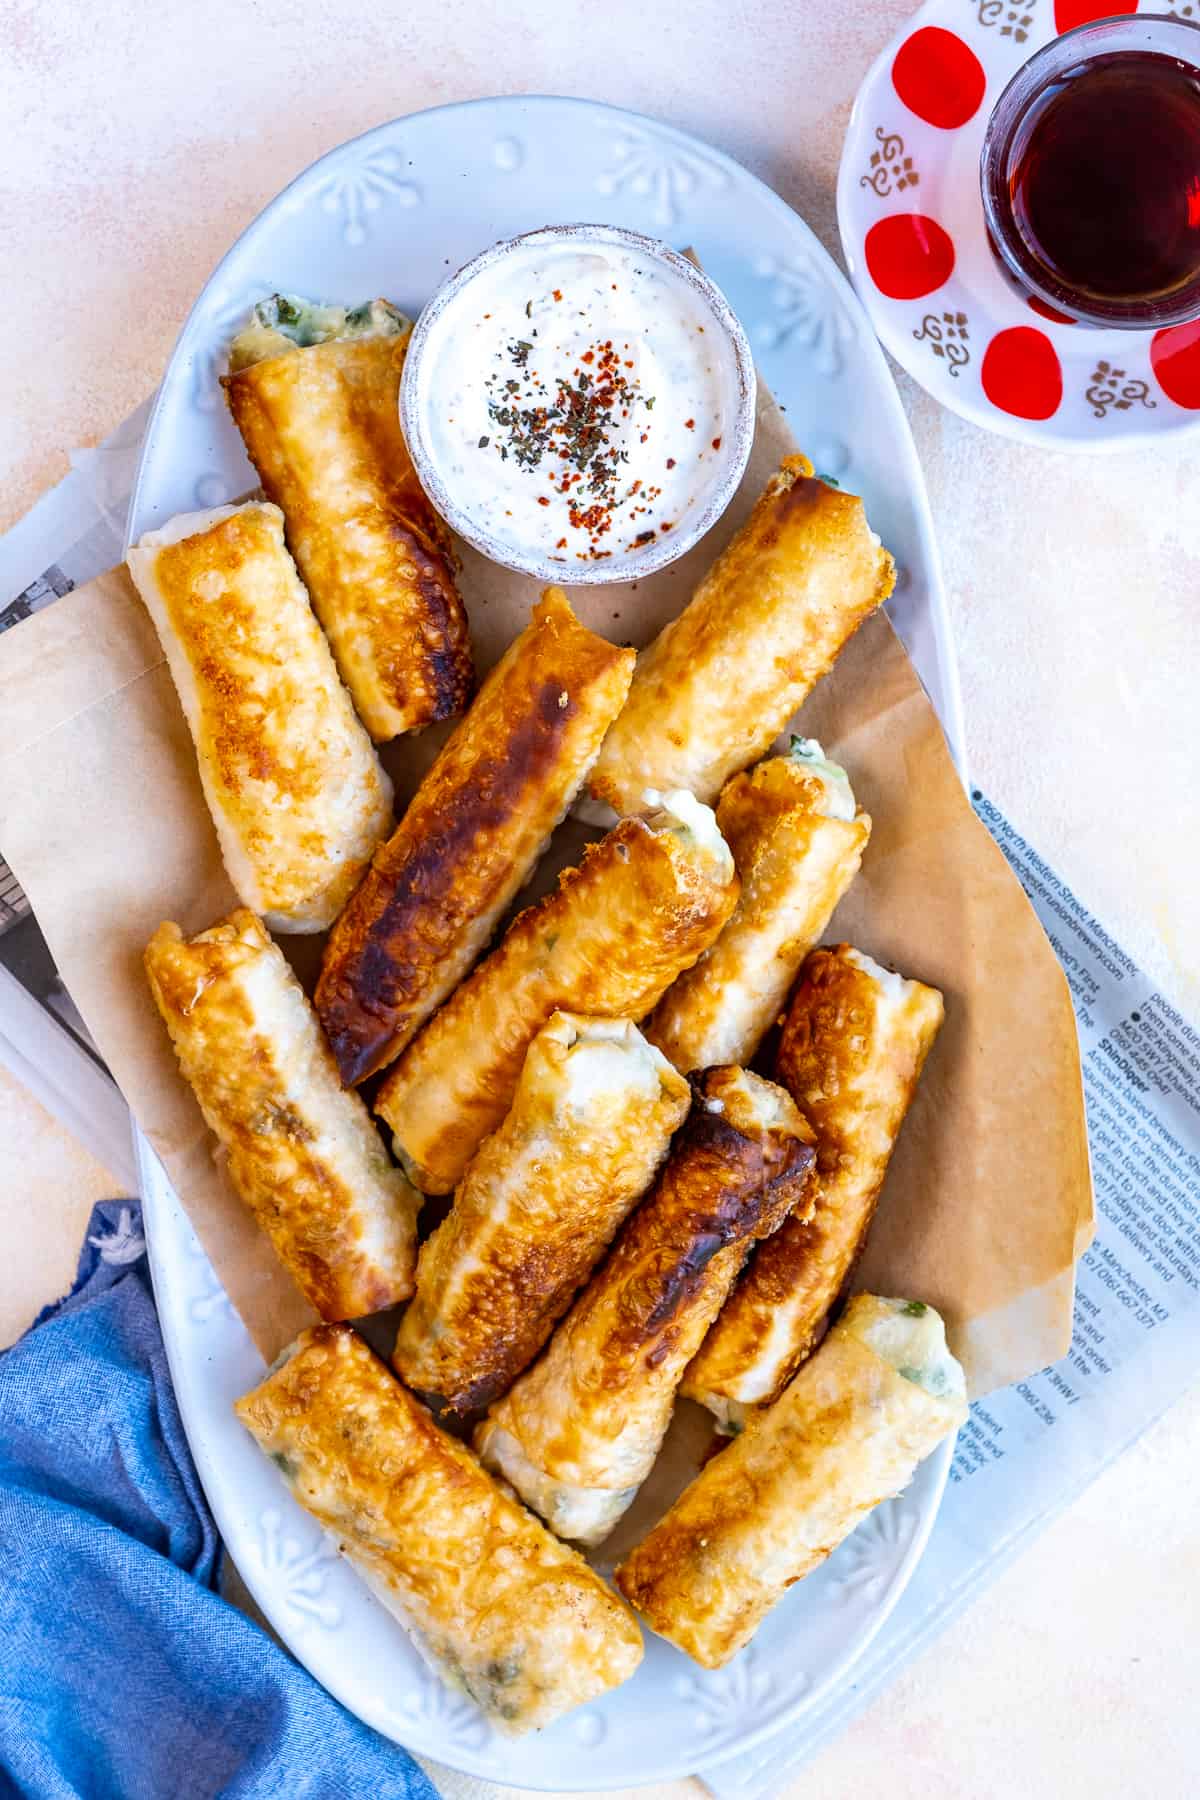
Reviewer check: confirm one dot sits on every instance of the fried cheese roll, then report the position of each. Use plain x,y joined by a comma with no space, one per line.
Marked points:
850,1431
797,839
592,1118
470,837
642,905
500,1609
880,1394
854,1043
719,682
302,1152
294,787
314,391
579,1432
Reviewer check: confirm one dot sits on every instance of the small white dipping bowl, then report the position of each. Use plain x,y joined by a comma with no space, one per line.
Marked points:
447,332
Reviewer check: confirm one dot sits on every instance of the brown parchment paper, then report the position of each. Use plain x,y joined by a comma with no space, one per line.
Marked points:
988,1200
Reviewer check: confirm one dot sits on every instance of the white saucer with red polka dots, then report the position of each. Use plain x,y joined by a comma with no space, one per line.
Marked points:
911,220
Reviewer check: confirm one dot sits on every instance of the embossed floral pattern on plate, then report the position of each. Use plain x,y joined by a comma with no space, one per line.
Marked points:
359,192
868,1558
451,1714
299,1562
806,309
668,177
719,1698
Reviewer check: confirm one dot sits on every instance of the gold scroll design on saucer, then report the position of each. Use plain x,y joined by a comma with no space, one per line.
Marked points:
1110,388
1013,21
890,171
947,335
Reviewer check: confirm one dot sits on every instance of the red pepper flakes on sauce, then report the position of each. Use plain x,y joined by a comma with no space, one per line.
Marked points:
571,427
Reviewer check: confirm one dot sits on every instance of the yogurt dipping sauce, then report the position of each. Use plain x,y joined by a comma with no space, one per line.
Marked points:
578,399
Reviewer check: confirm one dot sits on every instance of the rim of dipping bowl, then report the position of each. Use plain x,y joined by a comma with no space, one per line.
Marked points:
689,526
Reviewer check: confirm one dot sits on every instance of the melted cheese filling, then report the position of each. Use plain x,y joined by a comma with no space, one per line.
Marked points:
910,1336
584,1515
681,812
893,989
611,1062
838,796
286,322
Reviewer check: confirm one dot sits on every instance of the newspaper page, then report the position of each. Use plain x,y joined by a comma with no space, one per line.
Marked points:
1024,1452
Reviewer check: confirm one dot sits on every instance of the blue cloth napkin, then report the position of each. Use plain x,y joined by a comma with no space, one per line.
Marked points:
123,1674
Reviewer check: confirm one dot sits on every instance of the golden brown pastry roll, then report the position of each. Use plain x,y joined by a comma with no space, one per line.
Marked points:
470,836
591,1120
503,1611
302,1152
719,682
880,1394
854,1042
641,906
578,1433
294,788
797,839
314,392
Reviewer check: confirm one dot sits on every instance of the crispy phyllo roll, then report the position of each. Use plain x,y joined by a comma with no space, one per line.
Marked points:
879,1396
719,682
592,1118
854,1042
294,788
470,836
500,1609
302,1152
314,391
797,839
578,1433
638,910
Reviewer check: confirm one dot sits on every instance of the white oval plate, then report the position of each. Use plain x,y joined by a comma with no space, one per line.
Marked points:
392,213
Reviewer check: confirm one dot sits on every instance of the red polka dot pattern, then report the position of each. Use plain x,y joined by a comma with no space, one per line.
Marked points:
1175,359
1021,373
939,78
908,255
1048,312
1069,13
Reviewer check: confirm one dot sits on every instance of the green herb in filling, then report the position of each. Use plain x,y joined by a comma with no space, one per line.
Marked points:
934,1380
287,322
